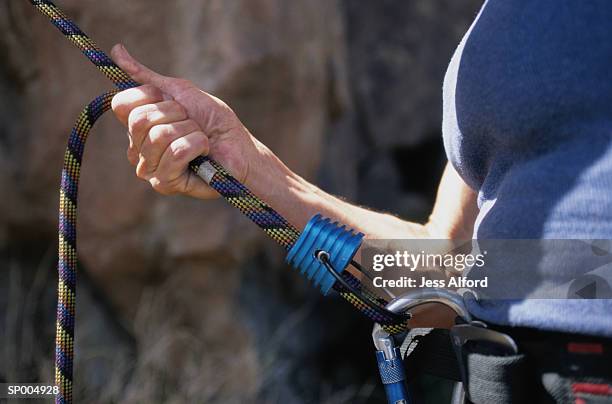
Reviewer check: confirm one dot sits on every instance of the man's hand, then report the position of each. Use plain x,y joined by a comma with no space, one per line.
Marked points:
171,122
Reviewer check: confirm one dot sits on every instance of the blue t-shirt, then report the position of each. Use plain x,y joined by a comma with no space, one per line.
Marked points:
528,124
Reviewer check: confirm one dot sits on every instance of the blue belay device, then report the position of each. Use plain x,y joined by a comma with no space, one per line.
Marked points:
321,234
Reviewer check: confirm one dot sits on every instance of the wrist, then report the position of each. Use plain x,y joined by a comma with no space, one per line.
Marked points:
281,188
264,170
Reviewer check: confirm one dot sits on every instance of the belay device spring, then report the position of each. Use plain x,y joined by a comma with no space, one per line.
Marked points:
321,252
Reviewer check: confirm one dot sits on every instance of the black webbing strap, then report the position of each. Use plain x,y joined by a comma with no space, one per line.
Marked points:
499,379
491,379
428,350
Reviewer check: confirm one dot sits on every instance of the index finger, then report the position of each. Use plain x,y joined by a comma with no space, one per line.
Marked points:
124,102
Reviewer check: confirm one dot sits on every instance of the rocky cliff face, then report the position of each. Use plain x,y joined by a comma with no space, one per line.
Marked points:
180,299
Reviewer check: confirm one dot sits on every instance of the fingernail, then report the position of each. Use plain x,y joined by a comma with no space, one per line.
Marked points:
124,50
117,49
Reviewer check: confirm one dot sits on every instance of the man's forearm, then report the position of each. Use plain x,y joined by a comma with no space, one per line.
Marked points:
298,200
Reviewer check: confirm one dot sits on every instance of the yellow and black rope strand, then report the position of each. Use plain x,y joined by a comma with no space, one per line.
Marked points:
67,260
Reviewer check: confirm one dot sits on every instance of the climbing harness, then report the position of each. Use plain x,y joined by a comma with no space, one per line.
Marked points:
321,252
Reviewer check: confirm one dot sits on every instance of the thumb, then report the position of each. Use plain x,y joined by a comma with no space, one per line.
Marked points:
138,71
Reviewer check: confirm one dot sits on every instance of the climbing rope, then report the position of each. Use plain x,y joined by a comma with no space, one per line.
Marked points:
212,172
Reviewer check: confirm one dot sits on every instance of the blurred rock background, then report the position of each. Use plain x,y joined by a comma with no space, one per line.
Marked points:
186,301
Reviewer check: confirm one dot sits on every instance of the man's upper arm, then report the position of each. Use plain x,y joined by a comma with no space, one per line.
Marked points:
455,209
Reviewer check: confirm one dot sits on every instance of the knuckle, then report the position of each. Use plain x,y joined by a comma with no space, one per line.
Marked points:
179,150
199,142
142,169
159,135
151,92
183,83
139,118
148,162
161,186
202,140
